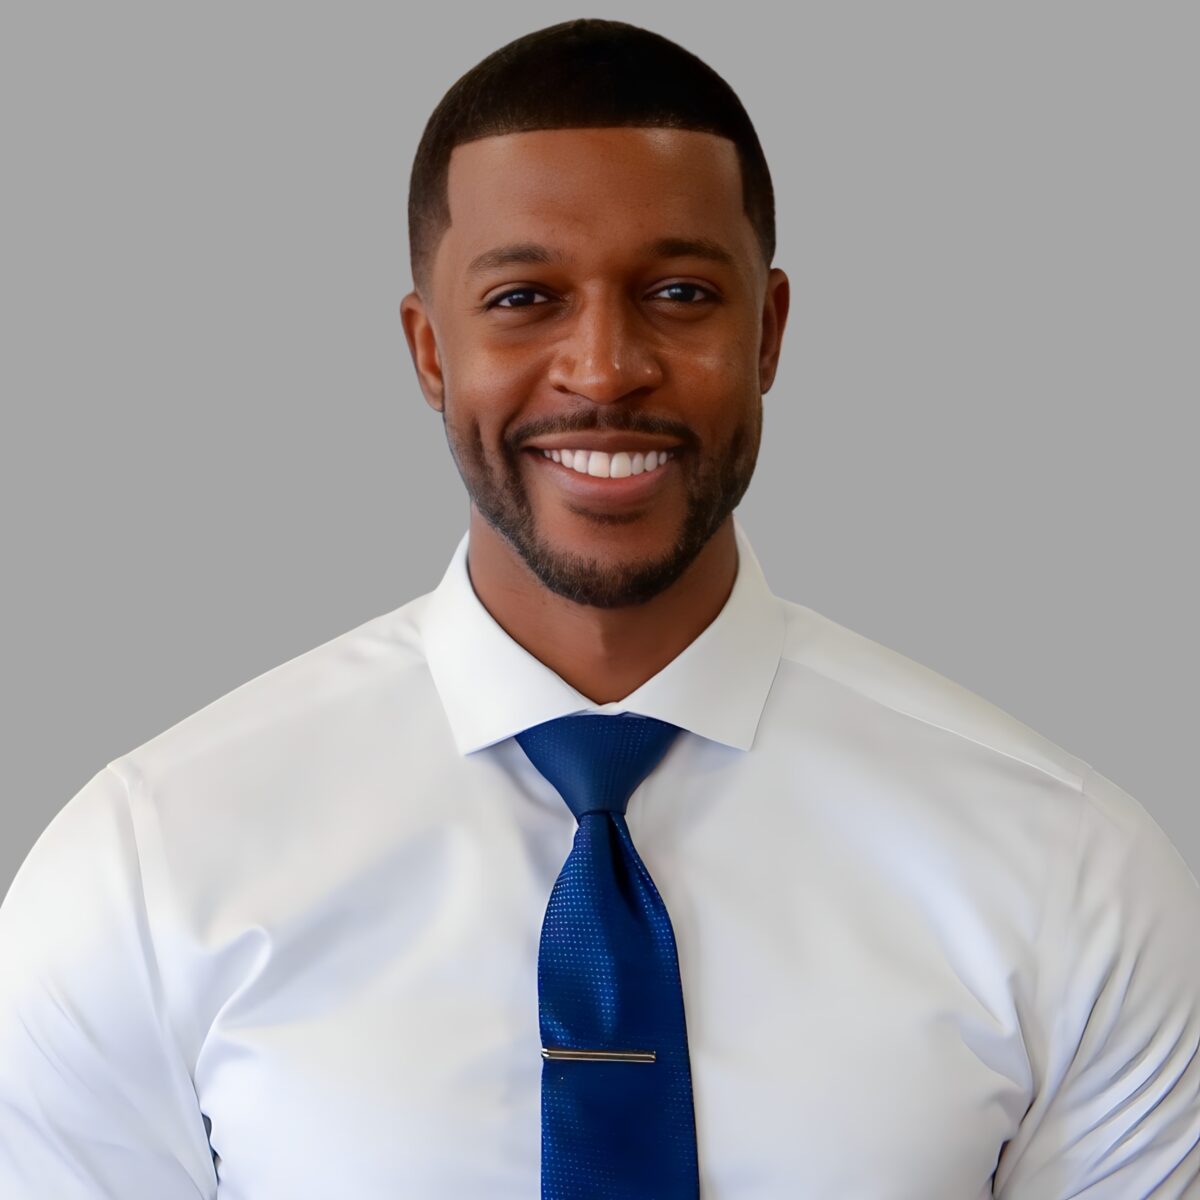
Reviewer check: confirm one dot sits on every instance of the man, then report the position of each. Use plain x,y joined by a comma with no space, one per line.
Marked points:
599,869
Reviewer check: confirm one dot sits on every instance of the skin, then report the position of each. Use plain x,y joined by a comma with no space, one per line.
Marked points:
611,339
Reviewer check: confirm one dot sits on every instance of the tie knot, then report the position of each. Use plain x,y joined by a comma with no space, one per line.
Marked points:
595,760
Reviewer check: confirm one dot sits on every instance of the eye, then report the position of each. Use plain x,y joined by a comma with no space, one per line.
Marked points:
495,302
705,294
702,294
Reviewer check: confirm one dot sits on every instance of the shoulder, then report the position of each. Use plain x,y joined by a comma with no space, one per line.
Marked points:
1107,823
280,711
866,672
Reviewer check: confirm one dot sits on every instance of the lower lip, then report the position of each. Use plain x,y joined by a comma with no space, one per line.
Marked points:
627,490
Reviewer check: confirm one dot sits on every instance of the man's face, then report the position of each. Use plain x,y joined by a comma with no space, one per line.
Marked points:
611,337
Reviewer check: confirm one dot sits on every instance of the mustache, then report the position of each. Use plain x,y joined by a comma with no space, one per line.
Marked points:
635,423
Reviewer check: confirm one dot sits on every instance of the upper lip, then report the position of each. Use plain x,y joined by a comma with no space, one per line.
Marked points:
607,442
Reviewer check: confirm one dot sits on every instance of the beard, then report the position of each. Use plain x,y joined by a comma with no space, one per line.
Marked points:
714,487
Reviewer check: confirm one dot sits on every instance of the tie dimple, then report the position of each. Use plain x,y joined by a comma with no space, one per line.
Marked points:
608,981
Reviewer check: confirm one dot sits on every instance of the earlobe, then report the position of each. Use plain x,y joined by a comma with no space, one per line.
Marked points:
422,346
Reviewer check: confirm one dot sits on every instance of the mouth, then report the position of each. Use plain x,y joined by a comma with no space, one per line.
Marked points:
622,492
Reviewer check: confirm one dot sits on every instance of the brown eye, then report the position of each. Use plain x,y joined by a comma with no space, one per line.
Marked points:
705,294
495,303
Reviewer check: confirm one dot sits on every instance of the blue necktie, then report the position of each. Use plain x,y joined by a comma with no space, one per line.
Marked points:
617,1115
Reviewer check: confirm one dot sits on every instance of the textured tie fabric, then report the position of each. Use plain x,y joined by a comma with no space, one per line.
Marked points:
618,1124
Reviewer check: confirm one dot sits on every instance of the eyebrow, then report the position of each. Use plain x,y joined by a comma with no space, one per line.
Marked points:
533,252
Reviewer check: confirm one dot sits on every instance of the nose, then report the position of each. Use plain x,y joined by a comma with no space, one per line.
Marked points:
605,353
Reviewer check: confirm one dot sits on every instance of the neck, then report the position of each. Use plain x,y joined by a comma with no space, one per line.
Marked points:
603,653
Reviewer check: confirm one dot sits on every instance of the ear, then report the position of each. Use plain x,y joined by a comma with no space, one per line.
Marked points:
422,345
774,318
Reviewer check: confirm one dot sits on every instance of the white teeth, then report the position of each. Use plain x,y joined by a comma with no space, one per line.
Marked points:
605,466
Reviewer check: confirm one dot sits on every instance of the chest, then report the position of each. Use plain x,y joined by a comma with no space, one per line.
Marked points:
836,1049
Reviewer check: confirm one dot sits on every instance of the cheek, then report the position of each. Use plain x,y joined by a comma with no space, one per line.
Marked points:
717,382
724,359
493,392
501,371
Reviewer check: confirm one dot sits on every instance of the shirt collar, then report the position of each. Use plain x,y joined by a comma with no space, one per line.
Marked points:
492,687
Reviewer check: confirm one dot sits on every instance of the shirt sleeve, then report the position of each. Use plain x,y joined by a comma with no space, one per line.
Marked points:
1114,1049
95,1101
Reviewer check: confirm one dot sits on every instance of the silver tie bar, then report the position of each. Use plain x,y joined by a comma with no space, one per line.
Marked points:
600,1055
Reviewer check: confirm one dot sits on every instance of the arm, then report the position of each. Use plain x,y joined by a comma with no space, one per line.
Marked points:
95,1100
1117,1110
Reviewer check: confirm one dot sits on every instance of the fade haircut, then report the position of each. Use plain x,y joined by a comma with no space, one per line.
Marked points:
584,73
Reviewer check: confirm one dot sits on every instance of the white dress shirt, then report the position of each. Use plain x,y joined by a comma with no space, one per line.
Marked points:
287,949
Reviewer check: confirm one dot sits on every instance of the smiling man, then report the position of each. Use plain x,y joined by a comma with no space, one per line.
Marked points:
599,871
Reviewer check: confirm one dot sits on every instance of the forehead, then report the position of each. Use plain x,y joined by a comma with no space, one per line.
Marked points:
591,189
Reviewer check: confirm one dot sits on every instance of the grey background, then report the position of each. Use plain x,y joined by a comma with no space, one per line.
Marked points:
979,449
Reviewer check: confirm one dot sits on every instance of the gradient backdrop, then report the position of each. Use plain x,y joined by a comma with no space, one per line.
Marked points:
980,449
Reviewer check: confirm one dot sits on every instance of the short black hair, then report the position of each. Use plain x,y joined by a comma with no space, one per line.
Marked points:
583,73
